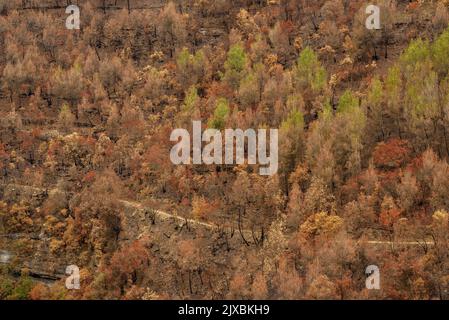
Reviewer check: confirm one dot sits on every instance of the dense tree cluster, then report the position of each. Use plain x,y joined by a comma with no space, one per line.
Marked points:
86,116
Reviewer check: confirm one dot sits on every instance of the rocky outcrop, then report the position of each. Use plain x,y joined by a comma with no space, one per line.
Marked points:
5,256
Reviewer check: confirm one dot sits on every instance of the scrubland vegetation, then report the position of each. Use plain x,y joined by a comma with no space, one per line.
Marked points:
363,118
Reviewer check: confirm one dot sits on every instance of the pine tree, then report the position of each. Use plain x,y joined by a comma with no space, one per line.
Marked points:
291,145
192,68
440,50
218,120
235,65
308,72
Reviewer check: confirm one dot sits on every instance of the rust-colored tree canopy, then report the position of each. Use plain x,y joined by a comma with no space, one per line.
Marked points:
87,115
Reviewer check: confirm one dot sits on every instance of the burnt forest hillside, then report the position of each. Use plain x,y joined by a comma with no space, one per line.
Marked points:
86,177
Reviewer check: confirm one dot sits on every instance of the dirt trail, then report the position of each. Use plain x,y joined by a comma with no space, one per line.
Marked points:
158,214
166,215
247,233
